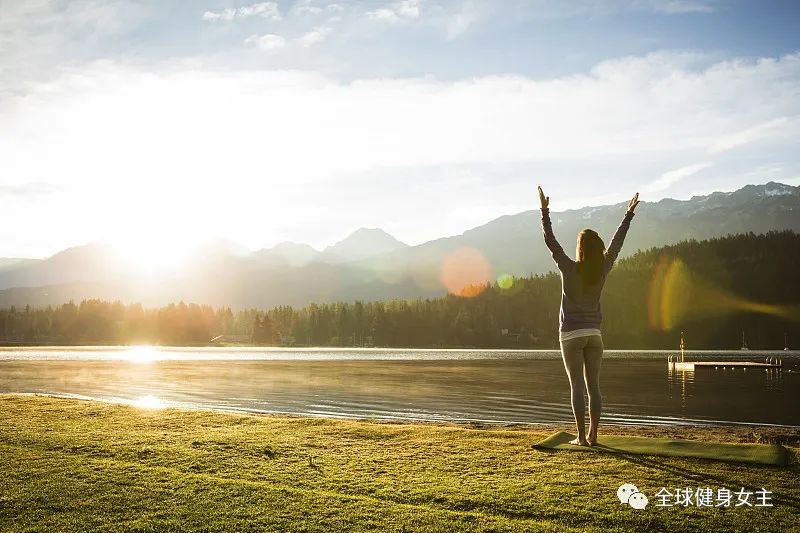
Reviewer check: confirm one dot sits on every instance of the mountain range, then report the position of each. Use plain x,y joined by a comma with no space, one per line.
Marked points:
371,264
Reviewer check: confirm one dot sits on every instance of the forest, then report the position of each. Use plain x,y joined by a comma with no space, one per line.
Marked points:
715,291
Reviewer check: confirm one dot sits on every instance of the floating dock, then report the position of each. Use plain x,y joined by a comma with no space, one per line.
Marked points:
679,362
699,365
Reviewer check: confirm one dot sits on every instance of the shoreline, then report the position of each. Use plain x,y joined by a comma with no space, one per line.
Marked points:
255,347
738,433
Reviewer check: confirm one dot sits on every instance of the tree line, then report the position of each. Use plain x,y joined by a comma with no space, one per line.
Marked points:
713,290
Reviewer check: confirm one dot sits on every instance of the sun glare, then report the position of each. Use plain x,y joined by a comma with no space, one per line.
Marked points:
151,256
142,354
148,254
149,402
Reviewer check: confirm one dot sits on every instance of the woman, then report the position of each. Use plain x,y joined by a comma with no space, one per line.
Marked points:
580,318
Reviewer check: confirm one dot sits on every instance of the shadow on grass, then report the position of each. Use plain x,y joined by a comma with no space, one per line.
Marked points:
778,498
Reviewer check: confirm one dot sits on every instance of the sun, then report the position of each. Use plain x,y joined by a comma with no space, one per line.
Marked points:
142,354
153,253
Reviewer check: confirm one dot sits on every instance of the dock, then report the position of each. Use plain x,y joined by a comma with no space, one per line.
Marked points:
699,365
679,362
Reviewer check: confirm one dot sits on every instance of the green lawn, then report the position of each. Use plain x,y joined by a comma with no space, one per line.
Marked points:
70,465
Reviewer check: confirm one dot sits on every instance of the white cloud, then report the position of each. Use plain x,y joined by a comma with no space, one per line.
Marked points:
267,10
397,12
408,8
669,178
226,14
268,41
35,34
681,6
462,20
307,152
309,10
749,135
315,36
384,14
31,189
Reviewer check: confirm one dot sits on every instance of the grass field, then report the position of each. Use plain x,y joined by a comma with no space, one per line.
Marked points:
71,465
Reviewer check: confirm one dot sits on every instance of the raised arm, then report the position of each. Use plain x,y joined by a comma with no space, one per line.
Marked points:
562,261
619,236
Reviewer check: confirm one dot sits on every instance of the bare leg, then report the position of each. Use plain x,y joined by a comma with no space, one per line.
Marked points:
572,353
592,357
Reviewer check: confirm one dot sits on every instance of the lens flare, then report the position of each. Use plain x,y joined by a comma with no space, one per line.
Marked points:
505,281
667,295
465,272
676,294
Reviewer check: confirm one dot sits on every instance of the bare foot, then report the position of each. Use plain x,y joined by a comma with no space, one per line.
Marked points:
592,439
579,442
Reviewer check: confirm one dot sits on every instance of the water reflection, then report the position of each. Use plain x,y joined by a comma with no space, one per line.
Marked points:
678,379
523,387
142,354
149,402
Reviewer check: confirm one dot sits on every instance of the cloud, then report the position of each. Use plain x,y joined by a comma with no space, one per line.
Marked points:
384,14
315,36
269,41
28,190
312,155
668,179
659,102
309,10
749,135
408,8
34,35
462,20
673,7
315,8
226,14
400,11
267,10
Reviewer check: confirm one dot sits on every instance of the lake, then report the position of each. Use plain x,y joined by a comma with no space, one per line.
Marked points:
442,385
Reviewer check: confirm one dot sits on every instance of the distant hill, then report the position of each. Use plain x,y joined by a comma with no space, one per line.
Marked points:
8,263
513,243
94,262
372,265
712,290
287,254
361,244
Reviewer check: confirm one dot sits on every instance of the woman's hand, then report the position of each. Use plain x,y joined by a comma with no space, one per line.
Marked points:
544,200
631,206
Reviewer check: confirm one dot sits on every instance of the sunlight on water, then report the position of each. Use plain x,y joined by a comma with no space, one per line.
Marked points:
149,402
639,387
142,354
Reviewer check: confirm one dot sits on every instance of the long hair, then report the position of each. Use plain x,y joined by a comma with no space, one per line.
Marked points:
590,254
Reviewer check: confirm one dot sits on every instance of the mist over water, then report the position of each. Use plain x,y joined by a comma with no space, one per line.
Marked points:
449,385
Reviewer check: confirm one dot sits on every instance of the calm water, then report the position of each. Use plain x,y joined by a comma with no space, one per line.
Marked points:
489,386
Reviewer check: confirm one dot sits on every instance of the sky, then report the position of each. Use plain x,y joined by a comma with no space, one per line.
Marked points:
158,125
